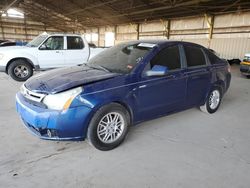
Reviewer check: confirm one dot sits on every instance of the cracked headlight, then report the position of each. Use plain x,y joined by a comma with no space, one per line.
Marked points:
61,101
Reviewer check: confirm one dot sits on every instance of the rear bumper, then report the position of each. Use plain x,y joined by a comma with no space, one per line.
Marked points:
245,69
53,124
229,77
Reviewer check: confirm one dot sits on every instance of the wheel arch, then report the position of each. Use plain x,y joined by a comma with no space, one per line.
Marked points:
128,108
218,84
123,104
17,58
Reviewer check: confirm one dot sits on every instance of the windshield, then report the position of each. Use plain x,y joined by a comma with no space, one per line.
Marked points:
37,41
122,58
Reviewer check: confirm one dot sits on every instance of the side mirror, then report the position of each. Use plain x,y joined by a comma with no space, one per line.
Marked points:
43,47
157,70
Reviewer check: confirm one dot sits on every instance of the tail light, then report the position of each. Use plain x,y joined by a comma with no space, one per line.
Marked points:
228,67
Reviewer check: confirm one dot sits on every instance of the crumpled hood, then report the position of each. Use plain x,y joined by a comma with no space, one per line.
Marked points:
58,80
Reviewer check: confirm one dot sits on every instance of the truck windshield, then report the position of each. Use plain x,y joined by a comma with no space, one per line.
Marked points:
121,58
37,41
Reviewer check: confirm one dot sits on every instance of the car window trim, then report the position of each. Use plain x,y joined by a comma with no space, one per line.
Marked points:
208,63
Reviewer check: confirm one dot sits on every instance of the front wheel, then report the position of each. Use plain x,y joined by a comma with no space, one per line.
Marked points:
20,70
213,101
108,127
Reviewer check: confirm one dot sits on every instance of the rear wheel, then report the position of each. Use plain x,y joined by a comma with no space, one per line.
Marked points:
20,70
213,101
108,127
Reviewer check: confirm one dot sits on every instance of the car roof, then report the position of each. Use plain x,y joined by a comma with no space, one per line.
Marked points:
164,41
61,34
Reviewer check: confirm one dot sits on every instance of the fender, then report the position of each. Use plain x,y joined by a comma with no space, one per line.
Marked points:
22,54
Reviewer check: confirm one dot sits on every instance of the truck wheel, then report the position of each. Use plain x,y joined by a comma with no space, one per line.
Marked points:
108,127
20,70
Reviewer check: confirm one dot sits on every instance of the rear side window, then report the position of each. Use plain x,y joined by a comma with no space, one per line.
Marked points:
213,58
194,56
168,57
74,43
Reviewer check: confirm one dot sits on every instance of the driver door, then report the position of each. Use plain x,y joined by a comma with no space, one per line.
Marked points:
158,95
51,53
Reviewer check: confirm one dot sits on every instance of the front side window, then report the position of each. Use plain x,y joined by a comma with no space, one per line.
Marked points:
194,56
168,57
122,58
53,43
74,43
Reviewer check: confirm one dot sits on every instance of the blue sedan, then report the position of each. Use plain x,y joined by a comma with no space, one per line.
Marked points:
122,86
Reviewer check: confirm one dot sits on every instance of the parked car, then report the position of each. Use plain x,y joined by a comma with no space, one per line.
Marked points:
11,43
46,51
245,65
3,41
7,43
122,86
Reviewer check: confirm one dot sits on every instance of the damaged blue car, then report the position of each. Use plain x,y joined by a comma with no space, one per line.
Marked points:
124,85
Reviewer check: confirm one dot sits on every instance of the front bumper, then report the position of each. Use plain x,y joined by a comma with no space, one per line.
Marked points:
245,68
2,68
53,124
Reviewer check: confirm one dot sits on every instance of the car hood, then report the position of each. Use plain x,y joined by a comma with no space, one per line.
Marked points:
62,79
13,48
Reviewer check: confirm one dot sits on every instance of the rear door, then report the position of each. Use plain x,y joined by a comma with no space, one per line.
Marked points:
160,95
76,53
198,74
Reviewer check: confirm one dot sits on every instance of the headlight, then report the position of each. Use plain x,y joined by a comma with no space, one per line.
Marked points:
61,101
1,56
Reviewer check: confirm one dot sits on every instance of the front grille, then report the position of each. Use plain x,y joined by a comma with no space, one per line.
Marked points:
37,97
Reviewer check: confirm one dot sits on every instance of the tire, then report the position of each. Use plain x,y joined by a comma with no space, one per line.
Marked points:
20,70
100,132
213,101
248,76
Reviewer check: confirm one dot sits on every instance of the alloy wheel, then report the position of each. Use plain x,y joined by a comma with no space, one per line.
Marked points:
110,127
21,71
214,99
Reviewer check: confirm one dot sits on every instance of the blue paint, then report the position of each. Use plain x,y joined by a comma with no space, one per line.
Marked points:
144,97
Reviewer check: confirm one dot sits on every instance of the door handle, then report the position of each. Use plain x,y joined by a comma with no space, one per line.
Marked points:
195,77
171,76
57,52
142,86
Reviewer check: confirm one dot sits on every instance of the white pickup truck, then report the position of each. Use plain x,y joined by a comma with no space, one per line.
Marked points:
45,52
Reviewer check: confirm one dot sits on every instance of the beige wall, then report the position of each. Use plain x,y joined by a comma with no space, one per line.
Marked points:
230,36
21,30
